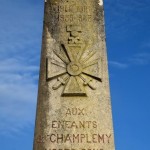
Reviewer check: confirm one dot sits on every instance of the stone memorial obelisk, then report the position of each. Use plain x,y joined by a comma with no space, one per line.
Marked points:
74,108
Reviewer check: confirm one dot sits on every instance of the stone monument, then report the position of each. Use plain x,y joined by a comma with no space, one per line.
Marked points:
74,108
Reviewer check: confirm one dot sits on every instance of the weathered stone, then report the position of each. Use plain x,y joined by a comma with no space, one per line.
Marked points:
73,109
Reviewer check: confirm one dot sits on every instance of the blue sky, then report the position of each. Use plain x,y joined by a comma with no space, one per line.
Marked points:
128,46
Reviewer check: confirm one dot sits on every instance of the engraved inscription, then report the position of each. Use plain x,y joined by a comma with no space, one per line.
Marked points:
71,12
75,111
74,124
74,138
75,18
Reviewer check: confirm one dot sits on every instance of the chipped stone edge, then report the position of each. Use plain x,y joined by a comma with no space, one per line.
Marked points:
100,2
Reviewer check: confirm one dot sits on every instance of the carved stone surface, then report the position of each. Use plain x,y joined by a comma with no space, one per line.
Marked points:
73,109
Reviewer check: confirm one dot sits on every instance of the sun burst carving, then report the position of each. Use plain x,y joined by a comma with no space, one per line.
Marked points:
75,71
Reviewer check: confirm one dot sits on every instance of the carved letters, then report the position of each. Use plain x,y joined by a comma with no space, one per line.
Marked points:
71,12
73,109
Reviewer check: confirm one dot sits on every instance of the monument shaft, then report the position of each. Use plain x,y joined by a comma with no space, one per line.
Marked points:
74,108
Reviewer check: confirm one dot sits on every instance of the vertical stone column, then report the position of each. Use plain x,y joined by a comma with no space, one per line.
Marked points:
73,109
